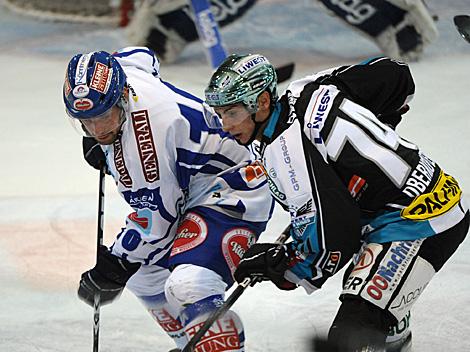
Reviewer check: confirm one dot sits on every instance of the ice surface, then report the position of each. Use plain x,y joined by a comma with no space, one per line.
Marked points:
48,193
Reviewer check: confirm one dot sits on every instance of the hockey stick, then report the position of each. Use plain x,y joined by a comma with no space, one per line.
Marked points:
248,281
462,23
208,31
99,242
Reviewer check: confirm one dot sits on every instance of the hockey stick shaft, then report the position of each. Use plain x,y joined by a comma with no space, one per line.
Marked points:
99,242
462,23
249,281
209,33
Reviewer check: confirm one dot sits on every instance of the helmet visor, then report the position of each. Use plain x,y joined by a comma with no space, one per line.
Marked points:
100,126
232,114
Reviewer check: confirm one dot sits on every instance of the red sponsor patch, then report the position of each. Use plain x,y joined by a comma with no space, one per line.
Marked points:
234,245
100,78
165,320
141,221
190,234
356,183
254,171
145,144
222,336
82,104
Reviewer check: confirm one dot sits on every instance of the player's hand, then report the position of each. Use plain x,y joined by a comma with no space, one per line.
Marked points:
267,261
93,153
107,278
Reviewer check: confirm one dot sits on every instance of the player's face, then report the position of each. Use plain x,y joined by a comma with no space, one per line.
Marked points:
105,128
237,121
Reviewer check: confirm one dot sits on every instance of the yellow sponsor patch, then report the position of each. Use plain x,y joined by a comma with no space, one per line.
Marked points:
445,194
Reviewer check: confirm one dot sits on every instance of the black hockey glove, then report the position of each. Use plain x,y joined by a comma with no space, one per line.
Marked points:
108,278
93,153
267,261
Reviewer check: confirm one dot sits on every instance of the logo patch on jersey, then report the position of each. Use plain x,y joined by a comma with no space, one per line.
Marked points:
120,164
332,262
101,78
165,320
222,336
142,221
357,185
254,171
190,234
234,245
443,197
145,144
391,269
362,268
317,111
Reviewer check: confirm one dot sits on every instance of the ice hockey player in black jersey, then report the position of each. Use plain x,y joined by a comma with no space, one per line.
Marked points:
400,28
331,134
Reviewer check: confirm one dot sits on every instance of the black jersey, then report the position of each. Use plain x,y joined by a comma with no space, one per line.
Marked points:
329,122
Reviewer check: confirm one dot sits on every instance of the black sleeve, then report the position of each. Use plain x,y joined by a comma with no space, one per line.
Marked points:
381,85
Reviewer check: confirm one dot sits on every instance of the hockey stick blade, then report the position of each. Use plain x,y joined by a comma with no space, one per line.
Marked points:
284,72
462,23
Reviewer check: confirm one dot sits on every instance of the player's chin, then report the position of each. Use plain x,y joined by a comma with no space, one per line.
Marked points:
241,138
106,139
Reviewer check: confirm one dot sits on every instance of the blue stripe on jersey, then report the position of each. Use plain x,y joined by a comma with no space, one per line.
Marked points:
182,92
198,124
369,61
193,158
390,226
236,182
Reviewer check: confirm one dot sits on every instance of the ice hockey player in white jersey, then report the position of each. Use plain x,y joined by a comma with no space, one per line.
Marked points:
333,134
198,201
400,28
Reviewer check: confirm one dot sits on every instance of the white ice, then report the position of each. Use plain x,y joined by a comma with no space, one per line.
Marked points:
48,193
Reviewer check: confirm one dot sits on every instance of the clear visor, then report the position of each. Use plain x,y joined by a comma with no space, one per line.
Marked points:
99,126
232,114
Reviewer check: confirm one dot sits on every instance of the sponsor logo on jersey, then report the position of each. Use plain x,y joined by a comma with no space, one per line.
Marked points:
143,198
275,190
332,262
317,111
254,171
443,197
409,297
357,185
190,234
420,177
82,104
120,164
101,78
291,99
362,268
142,221
166,321
245,66
234,245
145,144
288,161
390,272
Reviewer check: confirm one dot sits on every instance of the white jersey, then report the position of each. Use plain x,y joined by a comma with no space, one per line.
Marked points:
167,160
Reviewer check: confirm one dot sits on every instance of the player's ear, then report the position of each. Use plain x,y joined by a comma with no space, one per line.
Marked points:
264,101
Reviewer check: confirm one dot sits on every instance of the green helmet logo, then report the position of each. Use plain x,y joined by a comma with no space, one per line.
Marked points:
241,79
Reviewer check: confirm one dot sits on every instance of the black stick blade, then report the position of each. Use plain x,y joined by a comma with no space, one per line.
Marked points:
462,23
284,72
